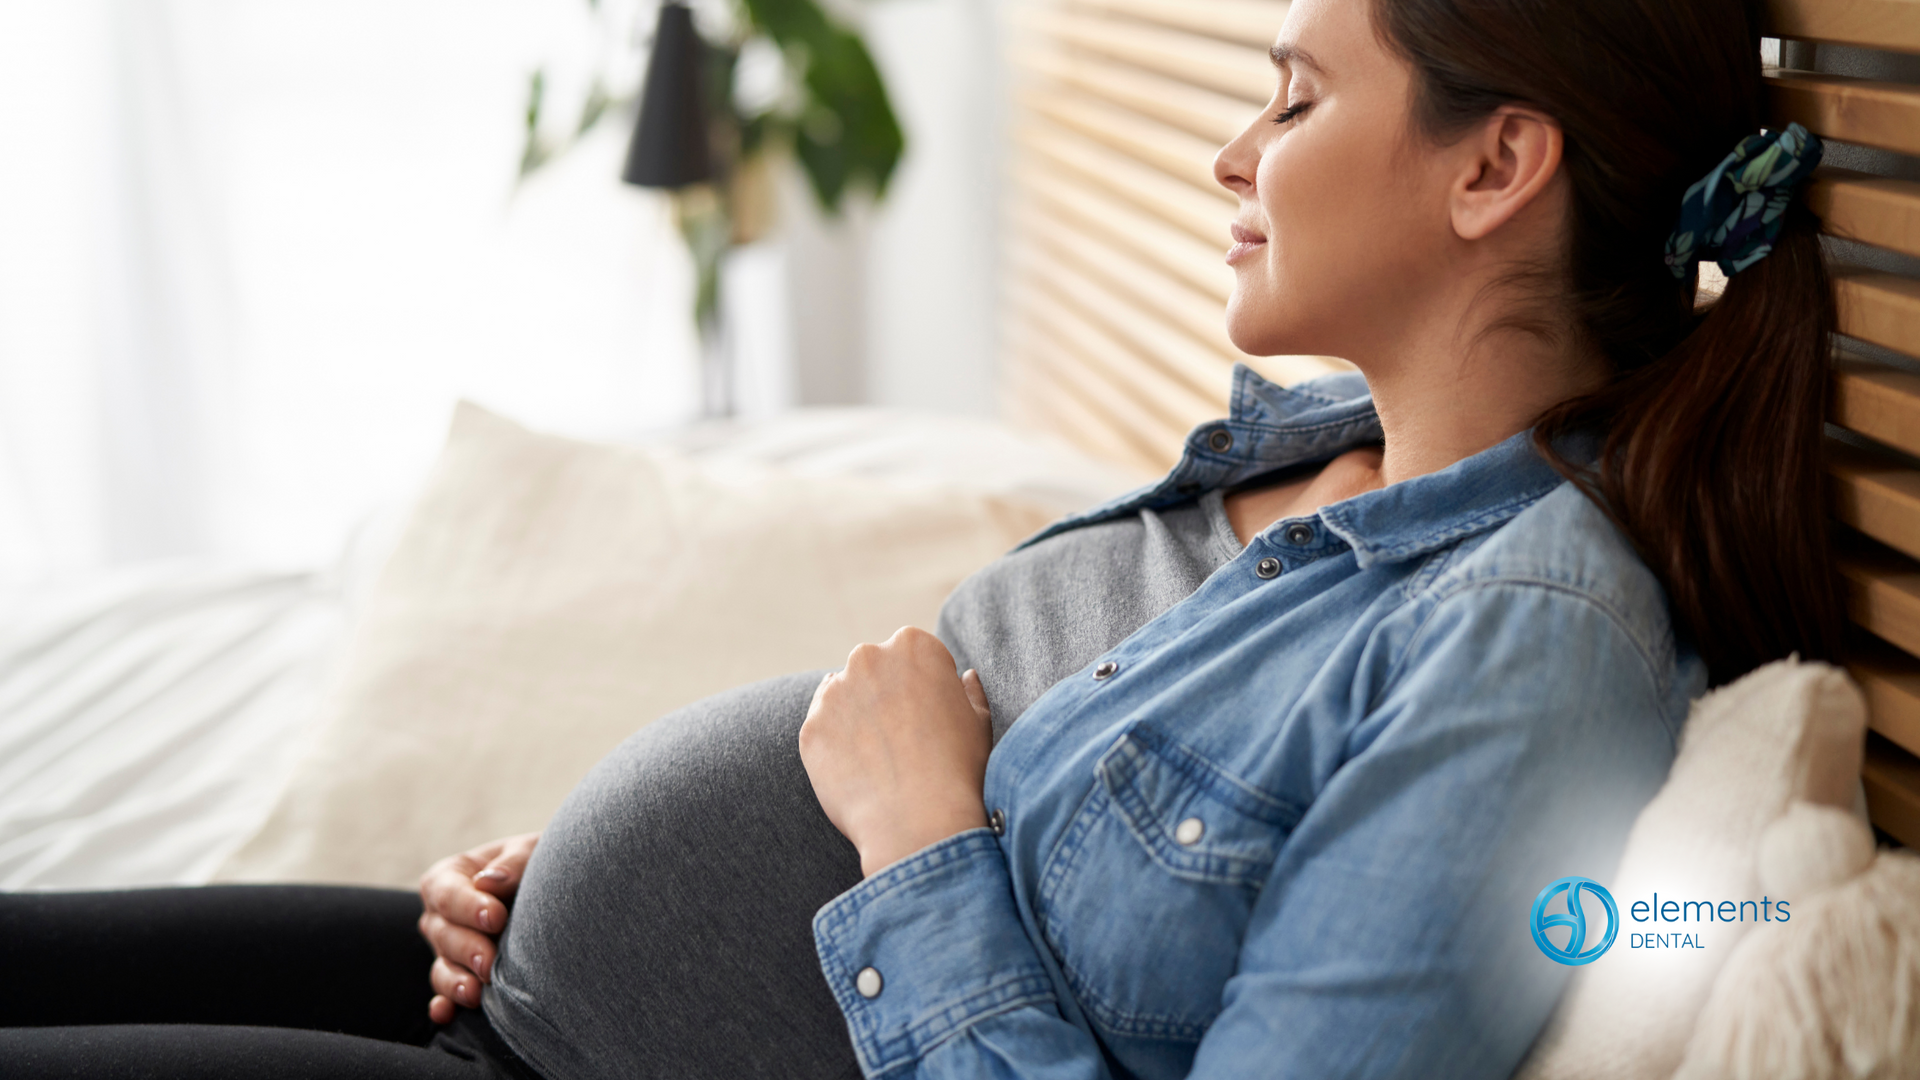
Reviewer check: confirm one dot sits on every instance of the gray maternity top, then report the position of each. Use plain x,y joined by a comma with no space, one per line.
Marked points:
664,928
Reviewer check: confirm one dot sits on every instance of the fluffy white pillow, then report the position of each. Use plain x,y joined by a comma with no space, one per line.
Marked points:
1835,993
548,597
1788,732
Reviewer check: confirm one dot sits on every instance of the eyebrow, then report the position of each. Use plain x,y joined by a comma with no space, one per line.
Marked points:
1289,55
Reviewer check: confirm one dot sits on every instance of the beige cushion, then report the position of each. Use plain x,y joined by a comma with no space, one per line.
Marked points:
548,597
1788,732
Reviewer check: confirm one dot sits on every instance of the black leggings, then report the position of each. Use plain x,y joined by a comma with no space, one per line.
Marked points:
282,981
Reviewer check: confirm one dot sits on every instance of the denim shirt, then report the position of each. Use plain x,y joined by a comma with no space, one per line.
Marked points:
1294,826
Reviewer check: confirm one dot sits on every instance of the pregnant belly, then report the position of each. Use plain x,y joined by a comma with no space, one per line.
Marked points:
665,924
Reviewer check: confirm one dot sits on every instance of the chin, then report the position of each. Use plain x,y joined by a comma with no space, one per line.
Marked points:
1268,320
1258,327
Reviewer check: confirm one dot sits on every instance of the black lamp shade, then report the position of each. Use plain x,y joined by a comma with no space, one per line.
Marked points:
671,145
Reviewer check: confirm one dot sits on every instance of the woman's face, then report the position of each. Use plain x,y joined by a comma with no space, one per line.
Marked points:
1343,228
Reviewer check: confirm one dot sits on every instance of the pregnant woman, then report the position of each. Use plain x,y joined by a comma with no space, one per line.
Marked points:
1262,766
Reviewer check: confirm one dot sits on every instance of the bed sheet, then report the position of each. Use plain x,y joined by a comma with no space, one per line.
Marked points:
148,716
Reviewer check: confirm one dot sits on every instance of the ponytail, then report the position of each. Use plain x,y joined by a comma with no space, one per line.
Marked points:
1711,463
1710,428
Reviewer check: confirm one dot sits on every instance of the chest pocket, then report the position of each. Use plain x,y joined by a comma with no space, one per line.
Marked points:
1146,899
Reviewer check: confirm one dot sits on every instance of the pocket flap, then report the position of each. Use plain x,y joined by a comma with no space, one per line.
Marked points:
1194,819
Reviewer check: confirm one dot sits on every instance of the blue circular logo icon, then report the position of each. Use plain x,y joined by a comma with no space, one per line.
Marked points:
1575,951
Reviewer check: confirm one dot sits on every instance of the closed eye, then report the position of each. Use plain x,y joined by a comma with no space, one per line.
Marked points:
1292,114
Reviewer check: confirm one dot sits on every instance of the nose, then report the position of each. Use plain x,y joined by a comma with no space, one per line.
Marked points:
1235,166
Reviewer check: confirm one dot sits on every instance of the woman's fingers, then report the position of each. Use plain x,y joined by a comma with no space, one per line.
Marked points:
455,983
464,907
976,695
896,747
448,891
445,878
501,875
469,949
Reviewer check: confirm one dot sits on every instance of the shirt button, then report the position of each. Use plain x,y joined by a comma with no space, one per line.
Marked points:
1188,833
868,982
1299,535
1106,669
997,821
1268,568
1221,441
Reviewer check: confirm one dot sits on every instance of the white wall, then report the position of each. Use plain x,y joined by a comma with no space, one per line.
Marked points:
892,305
828,280
930,317
255,249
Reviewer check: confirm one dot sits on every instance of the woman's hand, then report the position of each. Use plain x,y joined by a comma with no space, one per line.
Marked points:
464,900
896,746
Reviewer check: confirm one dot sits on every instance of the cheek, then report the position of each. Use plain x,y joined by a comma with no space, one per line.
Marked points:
1346,231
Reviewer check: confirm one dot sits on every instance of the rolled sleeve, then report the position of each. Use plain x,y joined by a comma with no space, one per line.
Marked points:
942,930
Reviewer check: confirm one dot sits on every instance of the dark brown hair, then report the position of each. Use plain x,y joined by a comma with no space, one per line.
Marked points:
1710,429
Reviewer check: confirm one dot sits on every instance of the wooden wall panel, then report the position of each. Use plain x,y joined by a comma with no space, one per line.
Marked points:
1871,209
1176,253
1238,70
1876,493
1880,24
1883,593
1249,22
1133,281
1877,401
1088,164
1207,114
1179,154
1891,777
1201,385
1864,111
1880,307
1891,681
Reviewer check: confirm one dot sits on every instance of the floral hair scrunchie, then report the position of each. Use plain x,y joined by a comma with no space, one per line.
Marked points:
1733,215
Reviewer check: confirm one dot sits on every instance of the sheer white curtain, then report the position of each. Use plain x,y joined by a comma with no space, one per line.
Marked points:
252,250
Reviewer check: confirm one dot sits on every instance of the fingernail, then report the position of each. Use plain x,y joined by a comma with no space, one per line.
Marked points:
460,991
497,875
479,965
485,917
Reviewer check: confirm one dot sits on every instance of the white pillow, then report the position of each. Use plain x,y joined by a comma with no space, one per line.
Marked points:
1790,731
549,597
1835,993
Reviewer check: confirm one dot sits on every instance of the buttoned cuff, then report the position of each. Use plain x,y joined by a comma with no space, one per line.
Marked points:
926,948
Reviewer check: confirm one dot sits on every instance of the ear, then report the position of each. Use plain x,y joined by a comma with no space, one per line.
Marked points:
1510,159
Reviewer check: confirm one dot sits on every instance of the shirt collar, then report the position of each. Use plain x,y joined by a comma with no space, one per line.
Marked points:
1414,517
1272,427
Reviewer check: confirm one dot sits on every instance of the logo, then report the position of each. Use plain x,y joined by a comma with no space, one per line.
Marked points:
1574,952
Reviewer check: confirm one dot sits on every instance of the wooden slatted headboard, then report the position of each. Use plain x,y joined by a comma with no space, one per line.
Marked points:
1116,285
1876,395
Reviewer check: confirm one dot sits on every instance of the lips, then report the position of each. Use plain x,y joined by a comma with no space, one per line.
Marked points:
1245,241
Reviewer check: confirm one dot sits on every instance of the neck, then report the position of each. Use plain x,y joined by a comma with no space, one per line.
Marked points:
1437,407
1440,405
